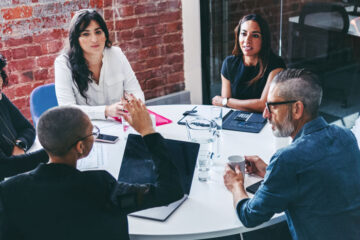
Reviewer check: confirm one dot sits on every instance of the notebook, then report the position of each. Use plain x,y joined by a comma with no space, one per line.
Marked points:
243,121
137,167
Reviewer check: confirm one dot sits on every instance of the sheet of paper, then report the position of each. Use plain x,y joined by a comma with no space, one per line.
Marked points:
94,160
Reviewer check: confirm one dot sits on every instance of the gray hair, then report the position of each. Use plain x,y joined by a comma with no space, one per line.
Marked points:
301,85
60,127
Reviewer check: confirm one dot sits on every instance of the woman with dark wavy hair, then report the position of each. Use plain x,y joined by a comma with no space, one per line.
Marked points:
16,136
92,73
246,74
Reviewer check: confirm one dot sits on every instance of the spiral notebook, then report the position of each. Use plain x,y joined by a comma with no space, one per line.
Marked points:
243,121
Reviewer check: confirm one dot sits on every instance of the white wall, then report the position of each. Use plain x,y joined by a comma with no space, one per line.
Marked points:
192,49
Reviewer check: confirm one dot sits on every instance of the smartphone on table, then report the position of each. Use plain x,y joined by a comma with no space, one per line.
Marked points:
107,138
254,187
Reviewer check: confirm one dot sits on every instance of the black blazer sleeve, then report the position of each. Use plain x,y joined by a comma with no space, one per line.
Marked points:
10,166
2,218
134,197
25,131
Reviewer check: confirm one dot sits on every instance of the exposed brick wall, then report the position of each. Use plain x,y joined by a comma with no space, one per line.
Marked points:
33,32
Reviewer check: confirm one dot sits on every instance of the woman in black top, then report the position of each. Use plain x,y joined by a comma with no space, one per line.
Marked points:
16,136
246,74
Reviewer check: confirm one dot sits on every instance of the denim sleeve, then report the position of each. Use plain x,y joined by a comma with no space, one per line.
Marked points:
273,196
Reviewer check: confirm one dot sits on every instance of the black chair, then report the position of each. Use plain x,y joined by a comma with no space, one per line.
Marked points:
320,43
355,4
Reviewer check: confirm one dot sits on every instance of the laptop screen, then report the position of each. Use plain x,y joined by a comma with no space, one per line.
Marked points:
138,167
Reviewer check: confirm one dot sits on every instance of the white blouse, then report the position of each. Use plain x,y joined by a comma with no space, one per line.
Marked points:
116,76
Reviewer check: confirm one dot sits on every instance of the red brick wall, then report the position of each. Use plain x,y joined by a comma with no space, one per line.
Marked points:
33,32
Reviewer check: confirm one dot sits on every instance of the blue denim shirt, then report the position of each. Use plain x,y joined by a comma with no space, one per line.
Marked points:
316,181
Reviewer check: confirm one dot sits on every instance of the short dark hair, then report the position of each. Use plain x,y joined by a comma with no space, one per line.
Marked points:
60,127
265,50
3,74
77,63
302,85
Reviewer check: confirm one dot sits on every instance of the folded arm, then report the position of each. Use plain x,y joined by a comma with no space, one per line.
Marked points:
24,130
10,166
251,105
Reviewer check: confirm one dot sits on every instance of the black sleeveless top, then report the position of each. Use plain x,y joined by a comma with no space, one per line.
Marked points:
239,75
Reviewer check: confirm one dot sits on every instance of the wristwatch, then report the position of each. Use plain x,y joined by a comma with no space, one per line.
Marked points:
224,101
21,145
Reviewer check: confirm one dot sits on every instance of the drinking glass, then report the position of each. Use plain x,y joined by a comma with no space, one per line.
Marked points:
216,116
202,131
125,127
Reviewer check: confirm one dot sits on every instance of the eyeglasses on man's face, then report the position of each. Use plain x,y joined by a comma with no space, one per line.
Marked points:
270,104
95,132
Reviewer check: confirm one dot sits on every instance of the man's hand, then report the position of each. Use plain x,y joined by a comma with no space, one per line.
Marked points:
234,182
217,101
255,165
17,151
233,179
138,116
114,110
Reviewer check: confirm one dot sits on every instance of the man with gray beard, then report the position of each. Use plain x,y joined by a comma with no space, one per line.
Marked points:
315,180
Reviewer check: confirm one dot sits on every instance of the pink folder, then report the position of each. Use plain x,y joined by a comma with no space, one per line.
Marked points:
160,120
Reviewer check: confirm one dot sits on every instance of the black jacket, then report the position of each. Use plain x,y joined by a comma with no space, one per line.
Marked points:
56,201
14,126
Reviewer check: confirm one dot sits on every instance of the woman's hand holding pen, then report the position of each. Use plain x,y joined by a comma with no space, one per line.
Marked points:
117,109
114,110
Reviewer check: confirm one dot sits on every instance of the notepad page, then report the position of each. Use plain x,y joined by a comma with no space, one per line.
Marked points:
94,160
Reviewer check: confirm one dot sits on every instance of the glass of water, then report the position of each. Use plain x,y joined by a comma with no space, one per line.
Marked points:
202,131
216,116
125,127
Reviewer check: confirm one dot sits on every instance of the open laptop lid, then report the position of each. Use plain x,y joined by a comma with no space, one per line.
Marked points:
138,167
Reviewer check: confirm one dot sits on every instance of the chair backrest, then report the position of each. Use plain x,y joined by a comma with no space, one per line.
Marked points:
318,41
41,99
329,16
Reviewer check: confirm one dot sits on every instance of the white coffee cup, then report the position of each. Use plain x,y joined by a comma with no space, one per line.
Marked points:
237,160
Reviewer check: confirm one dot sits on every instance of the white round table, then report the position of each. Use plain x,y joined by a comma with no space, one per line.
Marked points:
209,211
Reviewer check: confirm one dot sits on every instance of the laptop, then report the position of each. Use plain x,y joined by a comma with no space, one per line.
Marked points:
138,167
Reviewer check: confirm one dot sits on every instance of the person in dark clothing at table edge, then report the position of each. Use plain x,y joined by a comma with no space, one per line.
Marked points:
16,136
57,201
246,74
